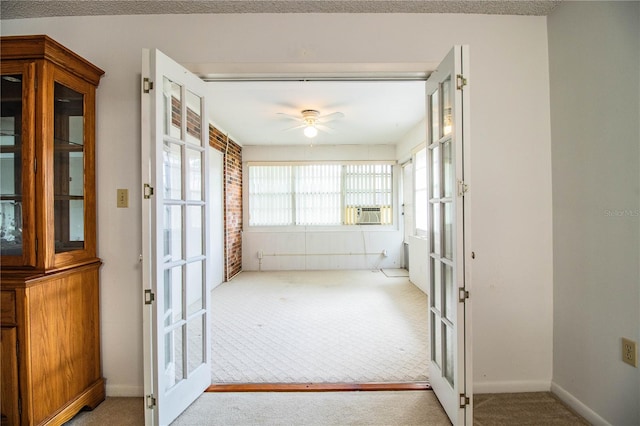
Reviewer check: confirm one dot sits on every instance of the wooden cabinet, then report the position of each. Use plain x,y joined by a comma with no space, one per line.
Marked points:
49,286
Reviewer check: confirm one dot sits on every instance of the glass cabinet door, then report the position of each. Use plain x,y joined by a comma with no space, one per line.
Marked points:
11,165
68,169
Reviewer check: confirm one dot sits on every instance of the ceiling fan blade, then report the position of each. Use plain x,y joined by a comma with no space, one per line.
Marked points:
331,117
324,128
292,117
300,126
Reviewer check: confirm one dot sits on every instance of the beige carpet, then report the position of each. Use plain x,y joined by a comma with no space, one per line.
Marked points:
339,408
319,327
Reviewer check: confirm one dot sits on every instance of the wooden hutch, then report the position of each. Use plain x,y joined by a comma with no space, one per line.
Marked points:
50,320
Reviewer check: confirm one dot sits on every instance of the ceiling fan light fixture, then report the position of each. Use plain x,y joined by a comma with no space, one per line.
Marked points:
310,131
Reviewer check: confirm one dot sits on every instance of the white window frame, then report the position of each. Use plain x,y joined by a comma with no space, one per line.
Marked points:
337,227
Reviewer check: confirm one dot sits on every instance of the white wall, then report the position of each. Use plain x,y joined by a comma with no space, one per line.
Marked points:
594,55
510,152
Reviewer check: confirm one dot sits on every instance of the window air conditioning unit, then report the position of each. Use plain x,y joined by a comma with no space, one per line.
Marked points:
369,216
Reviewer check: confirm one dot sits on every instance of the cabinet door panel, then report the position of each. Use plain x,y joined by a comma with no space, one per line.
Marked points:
9,386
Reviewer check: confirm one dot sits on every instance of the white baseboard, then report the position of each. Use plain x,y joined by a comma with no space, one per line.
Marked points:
125,391
577,405
512,386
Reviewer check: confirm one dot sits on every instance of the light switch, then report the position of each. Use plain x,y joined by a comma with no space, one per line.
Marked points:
123,198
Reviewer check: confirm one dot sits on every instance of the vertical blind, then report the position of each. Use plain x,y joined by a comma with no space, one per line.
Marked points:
319,194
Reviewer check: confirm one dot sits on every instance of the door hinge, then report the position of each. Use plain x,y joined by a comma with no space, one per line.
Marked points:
148,191
464,400
147,85
462,295
460,81
463,188
35,165
151,401
149,297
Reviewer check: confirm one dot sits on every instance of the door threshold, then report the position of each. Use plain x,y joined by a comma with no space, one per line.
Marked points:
317,387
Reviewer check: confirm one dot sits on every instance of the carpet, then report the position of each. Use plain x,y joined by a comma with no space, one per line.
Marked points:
315,409
319,327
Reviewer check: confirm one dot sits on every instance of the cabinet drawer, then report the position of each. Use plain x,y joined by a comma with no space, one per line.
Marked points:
7,307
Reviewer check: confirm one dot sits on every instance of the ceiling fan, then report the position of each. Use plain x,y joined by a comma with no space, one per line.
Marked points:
312,121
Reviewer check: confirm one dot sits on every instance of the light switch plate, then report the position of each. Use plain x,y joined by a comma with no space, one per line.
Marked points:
123,198
630,352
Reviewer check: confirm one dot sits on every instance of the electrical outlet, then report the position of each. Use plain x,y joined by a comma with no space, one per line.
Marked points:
123,198
630,352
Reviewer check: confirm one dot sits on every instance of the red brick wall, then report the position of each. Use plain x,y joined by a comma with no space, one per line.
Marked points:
233,199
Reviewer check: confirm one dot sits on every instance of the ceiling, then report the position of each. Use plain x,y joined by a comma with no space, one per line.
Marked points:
375,111
16,9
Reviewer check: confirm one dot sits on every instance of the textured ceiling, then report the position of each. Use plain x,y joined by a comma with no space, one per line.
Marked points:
16,9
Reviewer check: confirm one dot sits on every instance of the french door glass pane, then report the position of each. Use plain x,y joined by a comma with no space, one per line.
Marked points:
436,285
435,172
436,242
172,93
447,239
194,287
194,174
436,348
194,118
194,231
174,356
447,118
447,166
172,171
448,292
448,366
195,348
172,233
435,116
172,295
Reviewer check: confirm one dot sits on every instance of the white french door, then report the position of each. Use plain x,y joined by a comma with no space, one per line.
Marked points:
449,306
176,248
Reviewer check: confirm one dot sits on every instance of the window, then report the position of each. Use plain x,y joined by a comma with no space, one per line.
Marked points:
421,196
320,194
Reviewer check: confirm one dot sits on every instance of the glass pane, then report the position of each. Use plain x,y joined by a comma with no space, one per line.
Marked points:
194,119
68,168
435,116
449,293
447,241
172,233
194,174
436,285
11,165
436,331
435,172
172,295
172,171
447,112
172,108
436,241
195,285
194,241
447,165
448,353
195,343
173,353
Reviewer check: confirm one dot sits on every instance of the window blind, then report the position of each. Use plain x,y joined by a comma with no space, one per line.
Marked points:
320,194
